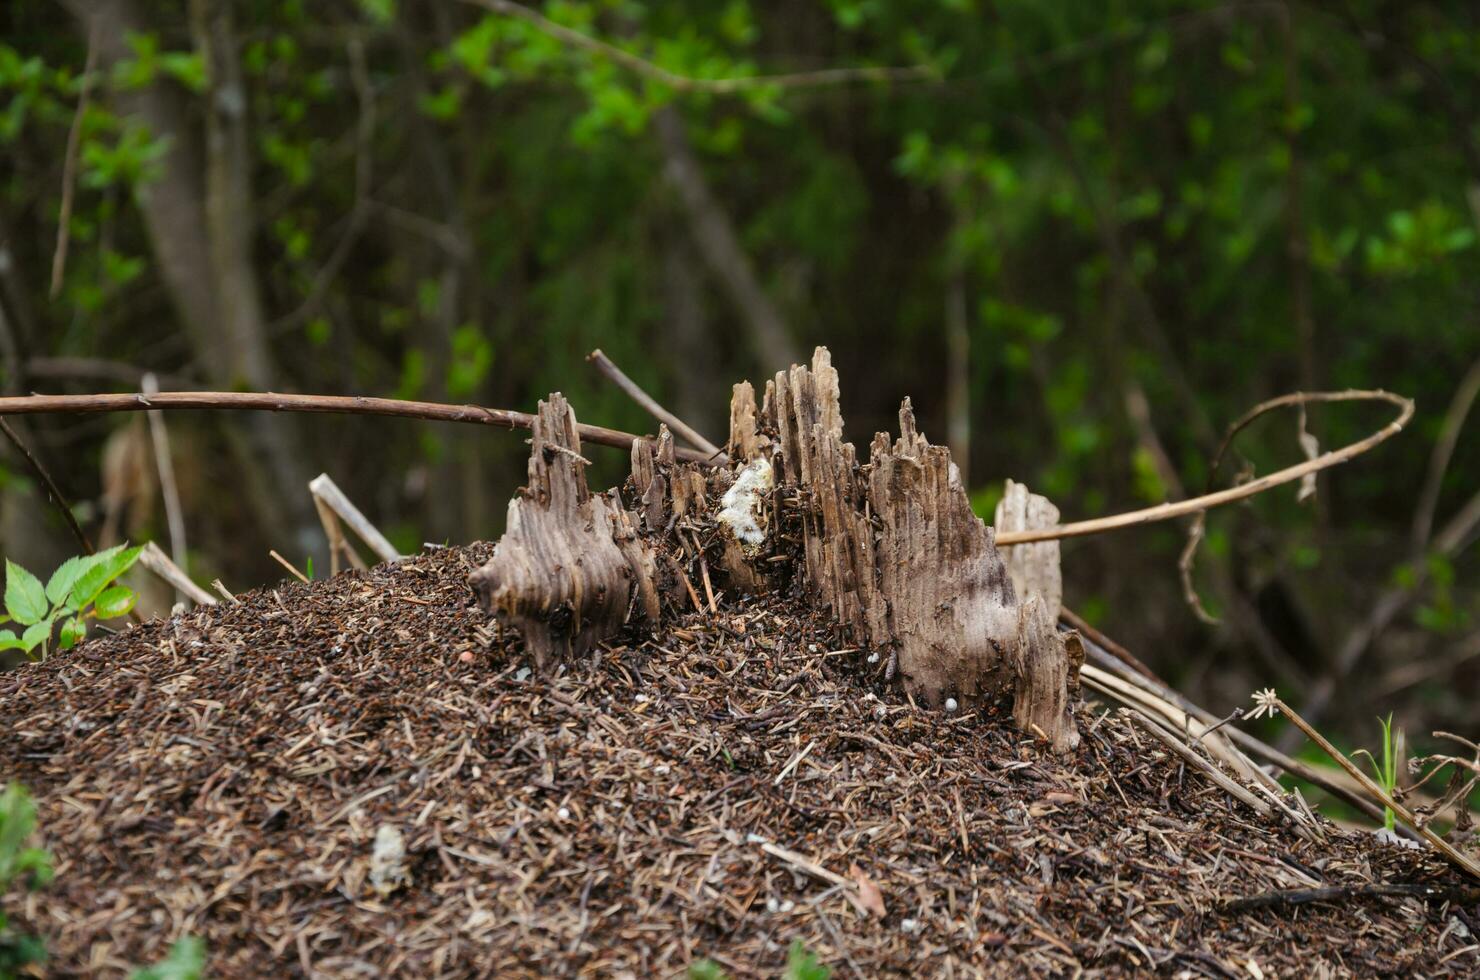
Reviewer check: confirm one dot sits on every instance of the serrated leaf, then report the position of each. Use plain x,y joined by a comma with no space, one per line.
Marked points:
25,599
35,635
62,579
115,602
73,631
103,568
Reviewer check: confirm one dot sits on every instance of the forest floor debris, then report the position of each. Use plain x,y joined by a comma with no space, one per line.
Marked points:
720,790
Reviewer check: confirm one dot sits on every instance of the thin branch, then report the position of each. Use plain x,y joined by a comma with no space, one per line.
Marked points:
1197,505
1248,743
714,86
69,163
154,559
1268,700
1336,893
164,463
1454,420
257,401
507,419
616,376
53,494
325,490
1075,621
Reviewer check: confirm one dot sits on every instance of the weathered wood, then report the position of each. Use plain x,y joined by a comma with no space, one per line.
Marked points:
570,567
894,552
1033,568
890,549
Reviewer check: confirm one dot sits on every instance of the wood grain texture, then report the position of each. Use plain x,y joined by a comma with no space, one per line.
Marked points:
570,568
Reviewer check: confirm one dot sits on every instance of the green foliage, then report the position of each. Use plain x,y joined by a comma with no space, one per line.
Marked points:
186,961
802,964
705,970
19,863
1386,772
81,588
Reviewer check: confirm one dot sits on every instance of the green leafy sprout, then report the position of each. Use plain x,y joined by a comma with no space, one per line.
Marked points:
1386,773
186,961
81,588
801,964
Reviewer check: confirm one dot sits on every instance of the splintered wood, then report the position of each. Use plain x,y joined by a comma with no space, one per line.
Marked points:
893,551
890,549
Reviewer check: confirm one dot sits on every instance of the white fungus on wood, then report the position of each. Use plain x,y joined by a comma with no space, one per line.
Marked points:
740,506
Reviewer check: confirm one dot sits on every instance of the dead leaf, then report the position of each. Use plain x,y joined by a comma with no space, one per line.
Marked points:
869,895
1312,449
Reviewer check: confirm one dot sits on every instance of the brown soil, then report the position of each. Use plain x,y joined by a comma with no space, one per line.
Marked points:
225,773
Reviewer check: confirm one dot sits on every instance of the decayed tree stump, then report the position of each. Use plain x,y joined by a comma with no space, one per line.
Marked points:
570,568
893,550
890,549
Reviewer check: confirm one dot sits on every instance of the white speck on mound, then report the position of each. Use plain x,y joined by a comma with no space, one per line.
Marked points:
388,860
740,505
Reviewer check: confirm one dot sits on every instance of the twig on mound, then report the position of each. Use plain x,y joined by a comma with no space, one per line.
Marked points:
1268,703
154,559
617,377
289,566
1339,893
327,495
1198,762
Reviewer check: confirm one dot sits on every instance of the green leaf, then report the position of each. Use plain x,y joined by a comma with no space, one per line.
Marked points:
25,599
186,961
9,641
803,965
35,635
706,970
115,602
73,631
102,569
62,579
35,863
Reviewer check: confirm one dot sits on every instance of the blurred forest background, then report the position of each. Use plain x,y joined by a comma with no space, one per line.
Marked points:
1083,237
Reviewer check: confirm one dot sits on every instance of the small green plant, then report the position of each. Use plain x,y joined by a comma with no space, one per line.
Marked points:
1387,772
801,964
308,567
186,961
81,588
17,861
706,970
